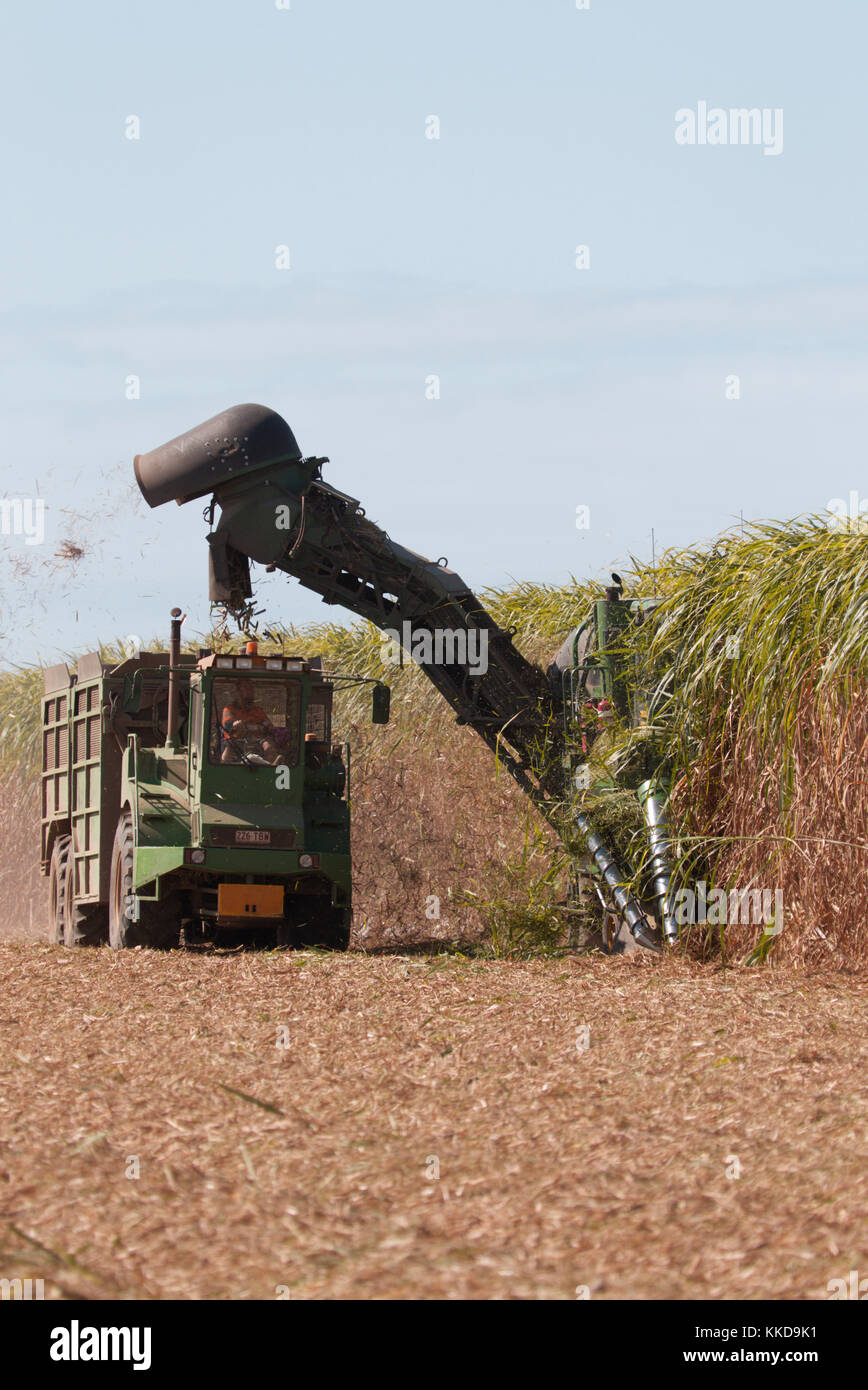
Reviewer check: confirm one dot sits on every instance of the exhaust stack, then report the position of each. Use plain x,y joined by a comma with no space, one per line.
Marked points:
172,718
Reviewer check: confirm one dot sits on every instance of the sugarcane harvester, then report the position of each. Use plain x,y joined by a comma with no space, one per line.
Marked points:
276,509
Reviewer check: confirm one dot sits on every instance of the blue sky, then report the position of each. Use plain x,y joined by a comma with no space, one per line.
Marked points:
411,257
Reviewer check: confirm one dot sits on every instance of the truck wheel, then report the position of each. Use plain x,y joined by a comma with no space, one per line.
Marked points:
329,929
159,924
338,938
85,924
57,882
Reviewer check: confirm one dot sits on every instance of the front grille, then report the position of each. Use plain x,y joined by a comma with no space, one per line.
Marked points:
248,837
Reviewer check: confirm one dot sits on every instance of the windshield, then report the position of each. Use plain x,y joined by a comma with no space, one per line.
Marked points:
255,722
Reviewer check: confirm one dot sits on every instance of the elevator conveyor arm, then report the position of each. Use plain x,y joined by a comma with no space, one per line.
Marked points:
276,509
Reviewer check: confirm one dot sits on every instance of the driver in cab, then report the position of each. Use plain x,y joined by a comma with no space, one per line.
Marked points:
246,728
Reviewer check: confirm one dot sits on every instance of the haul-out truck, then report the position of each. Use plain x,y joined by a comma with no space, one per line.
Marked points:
199,792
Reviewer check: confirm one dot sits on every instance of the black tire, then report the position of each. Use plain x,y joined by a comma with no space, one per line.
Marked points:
85,924
339,938
159,924
57,885
328,928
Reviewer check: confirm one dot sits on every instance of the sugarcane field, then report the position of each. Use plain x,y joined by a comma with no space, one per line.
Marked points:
496,932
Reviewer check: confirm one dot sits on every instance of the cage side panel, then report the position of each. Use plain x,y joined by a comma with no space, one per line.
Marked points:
55,770
86,788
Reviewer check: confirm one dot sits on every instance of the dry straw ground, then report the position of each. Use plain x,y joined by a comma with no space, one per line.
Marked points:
308,1168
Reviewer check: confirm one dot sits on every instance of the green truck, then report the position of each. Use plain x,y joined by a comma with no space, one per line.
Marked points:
196,792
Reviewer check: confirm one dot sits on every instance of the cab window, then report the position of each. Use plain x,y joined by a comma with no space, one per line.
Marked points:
255,722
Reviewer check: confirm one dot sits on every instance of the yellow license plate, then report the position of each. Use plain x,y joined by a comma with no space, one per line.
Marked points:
250,900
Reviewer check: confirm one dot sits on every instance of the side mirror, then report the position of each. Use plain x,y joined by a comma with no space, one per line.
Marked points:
381,699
